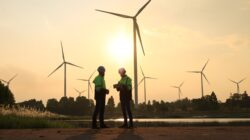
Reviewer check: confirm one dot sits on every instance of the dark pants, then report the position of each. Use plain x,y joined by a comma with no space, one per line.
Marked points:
99,108
126,110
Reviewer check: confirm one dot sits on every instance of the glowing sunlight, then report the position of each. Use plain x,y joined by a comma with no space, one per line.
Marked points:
120,48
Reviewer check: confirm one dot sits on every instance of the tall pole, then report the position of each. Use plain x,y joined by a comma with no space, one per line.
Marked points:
202,92
145,92
88,88
238,88
65,80
179,94
135,66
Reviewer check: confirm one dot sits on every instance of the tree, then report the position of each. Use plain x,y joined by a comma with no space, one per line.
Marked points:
52,105
6,96
149,107
214,104
206,103
69,106
110,107
82,106
238,101
34,104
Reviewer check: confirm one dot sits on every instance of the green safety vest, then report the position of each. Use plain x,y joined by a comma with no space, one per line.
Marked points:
99,83
126,81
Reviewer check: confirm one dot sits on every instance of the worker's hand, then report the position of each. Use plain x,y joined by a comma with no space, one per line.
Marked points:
107,91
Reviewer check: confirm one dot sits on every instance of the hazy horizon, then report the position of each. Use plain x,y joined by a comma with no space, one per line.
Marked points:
178,36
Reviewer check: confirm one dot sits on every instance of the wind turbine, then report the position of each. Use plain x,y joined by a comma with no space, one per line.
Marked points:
202,76
64,63
88,81
238,84
79,92
136,30
8,82
179,89
144,80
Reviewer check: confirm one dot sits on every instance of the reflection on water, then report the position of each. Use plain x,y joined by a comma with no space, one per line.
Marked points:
183,120
190,120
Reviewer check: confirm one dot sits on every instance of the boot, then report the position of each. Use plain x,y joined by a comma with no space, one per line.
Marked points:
131,125
125,125
103,126
94,126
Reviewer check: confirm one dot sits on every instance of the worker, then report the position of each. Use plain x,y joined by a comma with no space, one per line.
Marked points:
124,86
100,97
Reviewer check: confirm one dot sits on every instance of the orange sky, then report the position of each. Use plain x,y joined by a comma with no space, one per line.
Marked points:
178,36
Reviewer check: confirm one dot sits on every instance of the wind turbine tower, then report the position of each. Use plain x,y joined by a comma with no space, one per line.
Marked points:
136,31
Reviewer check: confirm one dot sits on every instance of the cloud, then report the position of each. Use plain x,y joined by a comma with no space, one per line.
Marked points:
186,37
234,41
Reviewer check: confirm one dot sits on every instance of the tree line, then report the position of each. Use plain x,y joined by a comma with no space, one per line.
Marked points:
81,106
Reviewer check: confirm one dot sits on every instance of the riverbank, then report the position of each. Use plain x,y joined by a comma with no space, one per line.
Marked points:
157,133
24,122
161,122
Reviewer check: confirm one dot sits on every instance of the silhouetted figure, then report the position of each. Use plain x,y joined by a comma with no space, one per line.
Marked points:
100,96
124,86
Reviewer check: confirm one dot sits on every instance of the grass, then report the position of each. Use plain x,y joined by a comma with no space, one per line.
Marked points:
24,118
23,122
27,112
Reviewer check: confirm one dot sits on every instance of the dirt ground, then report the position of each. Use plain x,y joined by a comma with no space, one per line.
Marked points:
151,133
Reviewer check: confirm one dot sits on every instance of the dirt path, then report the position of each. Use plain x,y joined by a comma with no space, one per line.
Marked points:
153,133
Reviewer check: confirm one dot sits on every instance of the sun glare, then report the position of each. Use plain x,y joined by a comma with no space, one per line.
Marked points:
120,48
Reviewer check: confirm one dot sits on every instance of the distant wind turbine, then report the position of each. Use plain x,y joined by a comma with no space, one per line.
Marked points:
8,82
238,84
79,92
179,89
89,83
64,63
202,76
144,80
136,30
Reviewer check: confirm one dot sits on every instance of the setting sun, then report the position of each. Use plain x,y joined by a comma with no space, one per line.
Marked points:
120,48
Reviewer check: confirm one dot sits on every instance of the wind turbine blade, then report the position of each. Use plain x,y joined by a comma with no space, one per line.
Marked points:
151,78
194,71
143,7
62,52
3,81
116,14
12,78
205,65
77,91
141,81
83,79
90,87
233,81
139,35
92,75
205,78
242,80
181,84
174,86
74,65
142,72
56,69
83,91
